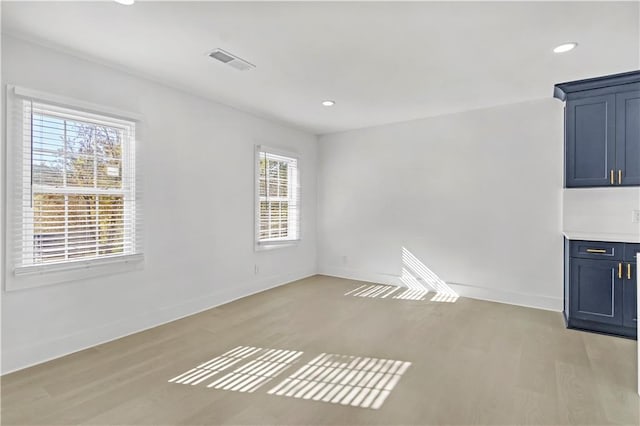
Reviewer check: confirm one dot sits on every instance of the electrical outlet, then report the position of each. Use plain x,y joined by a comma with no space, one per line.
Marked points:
256,269
635,216
345,260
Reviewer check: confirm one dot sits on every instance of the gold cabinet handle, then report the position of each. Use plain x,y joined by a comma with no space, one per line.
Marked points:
596,251
611,178
620,270
628,271
619,177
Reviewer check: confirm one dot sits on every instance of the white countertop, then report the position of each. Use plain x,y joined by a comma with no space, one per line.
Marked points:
601,236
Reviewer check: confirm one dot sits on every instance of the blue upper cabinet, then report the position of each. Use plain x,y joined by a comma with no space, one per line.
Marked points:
602,130
590,141
628,138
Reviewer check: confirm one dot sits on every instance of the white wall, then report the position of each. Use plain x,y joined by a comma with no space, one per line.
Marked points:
198,197
475,196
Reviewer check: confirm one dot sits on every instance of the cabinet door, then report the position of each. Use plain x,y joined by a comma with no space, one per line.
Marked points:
628,137
590,139
596,291
630,296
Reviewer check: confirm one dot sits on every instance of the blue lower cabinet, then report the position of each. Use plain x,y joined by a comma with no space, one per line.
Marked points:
596,291
630,297
600,292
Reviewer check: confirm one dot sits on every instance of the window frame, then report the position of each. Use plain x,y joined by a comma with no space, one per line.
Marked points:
18,183
281,242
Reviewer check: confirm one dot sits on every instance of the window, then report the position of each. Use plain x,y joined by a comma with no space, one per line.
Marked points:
75,186
278,197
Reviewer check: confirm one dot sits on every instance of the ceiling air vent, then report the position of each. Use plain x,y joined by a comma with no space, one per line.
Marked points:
231,60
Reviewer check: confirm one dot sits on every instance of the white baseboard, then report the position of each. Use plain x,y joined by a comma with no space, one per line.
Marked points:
15,359
464,290
546,303
358,275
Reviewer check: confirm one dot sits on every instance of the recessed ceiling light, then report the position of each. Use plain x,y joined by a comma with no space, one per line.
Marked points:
125,2
565,47
328,103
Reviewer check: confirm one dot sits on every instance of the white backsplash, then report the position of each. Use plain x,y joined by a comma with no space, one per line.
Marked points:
601,214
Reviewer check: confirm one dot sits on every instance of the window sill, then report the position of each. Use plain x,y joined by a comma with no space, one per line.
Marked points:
271,245
42,275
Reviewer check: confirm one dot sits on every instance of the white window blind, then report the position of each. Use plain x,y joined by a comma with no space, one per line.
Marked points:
74,186
278,197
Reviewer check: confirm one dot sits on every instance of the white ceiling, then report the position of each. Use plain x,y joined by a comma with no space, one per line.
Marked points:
381,62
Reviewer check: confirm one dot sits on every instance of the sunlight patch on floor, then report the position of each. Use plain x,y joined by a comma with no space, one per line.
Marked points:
445,298
420,280
210,368
254,374
357,381
258,366
414,289
382,291
342,379
379,291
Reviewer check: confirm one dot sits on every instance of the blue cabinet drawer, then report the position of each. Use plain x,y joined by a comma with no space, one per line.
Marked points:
630,252
597,250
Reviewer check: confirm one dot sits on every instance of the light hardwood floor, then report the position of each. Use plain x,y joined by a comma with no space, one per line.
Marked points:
472,362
